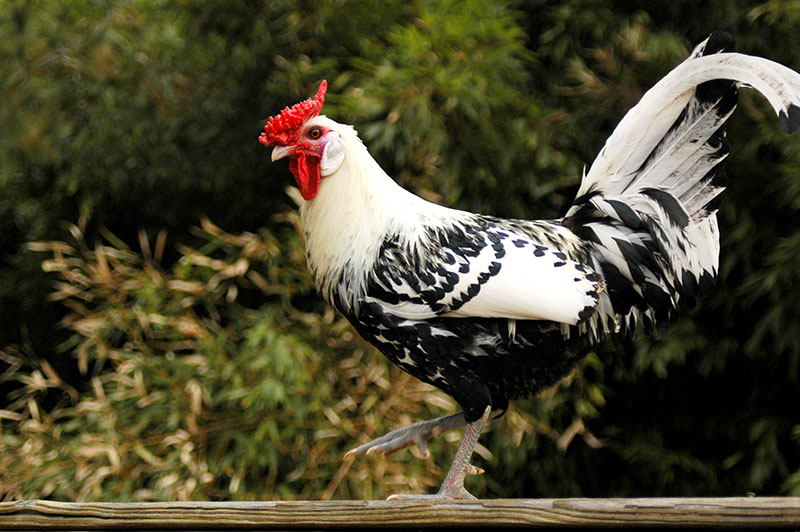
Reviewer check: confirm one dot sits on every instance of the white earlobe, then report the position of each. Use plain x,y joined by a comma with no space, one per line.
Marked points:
332,156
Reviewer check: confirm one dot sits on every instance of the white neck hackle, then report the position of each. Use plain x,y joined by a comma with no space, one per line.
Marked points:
355,208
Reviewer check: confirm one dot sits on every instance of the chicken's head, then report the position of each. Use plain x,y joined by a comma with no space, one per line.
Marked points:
315,151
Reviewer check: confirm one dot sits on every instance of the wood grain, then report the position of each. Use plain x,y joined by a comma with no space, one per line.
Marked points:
734,512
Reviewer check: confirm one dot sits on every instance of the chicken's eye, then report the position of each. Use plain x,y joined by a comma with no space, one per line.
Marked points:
315,132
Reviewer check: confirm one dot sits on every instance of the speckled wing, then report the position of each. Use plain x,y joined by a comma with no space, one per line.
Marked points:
479,270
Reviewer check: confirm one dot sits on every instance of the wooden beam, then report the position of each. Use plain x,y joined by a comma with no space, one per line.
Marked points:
732,513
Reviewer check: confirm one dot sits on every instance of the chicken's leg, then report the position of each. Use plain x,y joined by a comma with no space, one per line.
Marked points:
416,434
453,485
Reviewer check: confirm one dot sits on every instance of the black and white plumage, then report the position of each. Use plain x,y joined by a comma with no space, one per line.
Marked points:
490,310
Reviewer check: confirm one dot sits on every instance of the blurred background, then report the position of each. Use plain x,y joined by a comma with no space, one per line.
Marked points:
160,338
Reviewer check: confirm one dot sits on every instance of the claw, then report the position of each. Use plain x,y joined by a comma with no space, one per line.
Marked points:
423,448
473,470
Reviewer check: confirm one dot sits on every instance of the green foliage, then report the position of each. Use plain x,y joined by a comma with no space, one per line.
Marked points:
460,67
206,368
191,392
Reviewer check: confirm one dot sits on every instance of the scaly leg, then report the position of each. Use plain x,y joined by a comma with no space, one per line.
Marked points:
453,485
416,434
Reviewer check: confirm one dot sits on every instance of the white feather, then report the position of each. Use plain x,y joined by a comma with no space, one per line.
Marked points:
530,287
645,125
345,223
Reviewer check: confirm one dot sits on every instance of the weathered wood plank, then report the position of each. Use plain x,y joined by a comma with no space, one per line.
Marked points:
734,512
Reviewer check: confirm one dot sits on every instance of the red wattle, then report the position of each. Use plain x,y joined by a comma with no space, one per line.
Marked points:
306,173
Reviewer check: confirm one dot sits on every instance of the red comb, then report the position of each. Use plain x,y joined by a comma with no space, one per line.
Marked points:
284,129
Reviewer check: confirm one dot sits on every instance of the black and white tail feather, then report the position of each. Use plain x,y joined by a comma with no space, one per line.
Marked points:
647,207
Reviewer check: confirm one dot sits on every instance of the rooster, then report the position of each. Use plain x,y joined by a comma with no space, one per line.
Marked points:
489,309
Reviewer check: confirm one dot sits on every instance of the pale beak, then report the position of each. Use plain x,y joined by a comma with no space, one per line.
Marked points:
279,152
